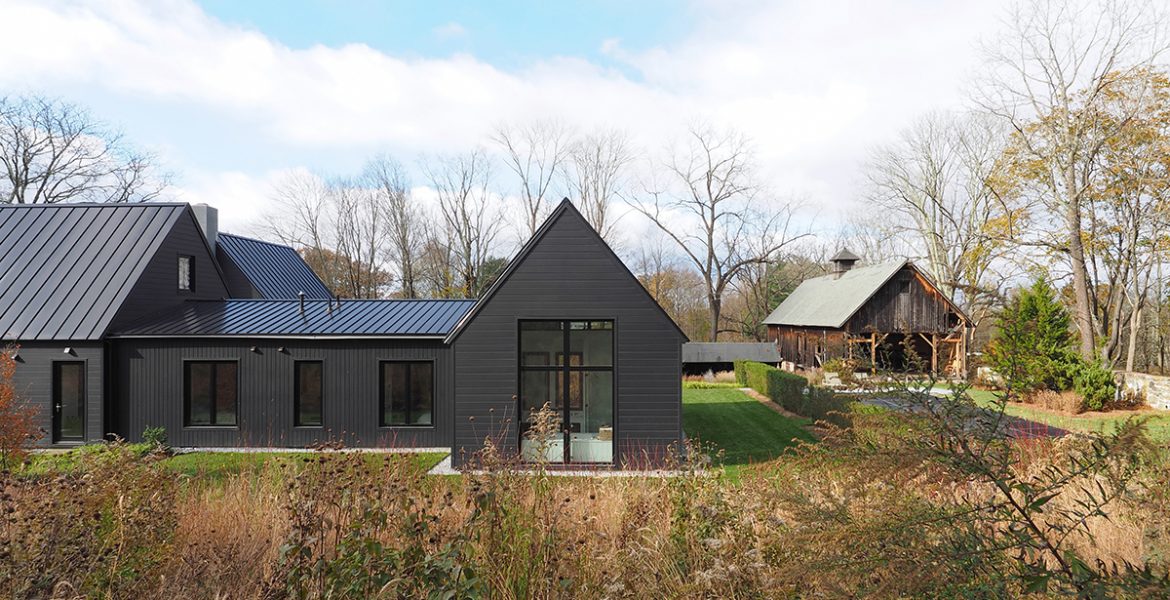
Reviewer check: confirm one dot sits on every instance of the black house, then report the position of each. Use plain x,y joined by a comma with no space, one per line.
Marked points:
131,316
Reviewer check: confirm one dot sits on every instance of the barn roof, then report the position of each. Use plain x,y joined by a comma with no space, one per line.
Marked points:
276,271
830,300
321,318
725,352
65,270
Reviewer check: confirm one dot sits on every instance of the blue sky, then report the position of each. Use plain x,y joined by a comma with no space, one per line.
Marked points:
233,96
509,34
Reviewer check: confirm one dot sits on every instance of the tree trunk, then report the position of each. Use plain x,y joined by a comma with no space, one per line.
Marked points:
1083,313
716,309
1135,323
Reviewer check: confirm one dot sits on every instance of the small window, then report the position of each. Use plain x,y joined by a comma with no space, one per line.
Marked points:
307,405
904,286
211,393
186,273
408,394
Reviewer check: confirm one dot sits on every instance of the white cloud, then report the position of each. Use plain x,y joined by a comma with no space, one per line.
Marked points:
815,84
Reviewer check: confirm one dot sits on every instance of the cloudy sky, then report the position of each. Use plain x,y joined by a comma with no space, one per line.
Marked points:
231,94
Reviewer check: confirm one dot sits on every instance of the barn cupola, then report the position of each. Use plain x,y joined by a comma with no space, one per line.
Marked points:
843,261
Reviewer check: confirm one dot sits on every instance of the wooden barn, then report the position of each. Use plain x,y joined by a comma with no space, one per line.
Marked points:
888,316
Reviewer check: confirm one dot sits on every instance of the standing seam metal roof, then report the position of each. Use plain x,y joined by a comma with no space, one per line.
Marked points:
66,269
283,318
276,271
829,301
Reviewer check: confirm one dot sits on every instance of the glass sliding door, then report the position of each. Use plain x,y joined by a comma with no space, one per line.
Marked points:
566,391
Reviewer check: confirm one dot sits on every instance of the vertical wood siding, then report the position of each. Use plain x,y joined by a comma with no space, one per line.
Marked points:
150,391
34,383
569,274
158,286
921,310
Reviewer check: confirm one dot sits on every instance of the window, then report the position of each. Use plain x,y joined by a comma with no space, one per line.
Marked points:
568,367
408,393
307,405
904,286
186,273
210,393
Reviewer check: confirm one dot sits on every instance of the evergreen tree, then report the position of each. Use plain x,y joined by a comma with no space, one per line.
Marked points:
1032,347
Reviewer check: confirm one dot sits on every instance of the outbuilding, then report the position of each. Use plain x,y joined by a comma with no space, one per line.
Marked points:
888,316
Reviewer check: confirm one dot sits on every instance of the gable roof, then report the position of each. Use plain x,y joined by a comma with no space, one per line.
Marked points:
725,352
564,207
65,269
276,271
321,318
830,300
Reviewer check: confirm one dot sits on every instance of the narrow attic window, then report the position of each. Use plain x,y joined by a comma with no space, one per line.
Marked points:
186,273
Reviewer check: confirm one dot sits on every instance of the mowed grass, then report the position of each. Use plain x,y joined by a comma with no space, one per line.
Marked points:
215,466
1157,421
744,429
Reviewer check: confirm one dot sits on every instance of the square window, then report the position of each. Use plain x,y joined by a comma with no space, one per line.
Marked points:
408,394
211,390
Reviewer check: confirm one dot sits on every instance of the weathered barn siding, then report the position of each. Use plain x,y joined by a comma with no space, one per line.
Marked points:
920,309
807,346
158,287
34,380
570,274
150,391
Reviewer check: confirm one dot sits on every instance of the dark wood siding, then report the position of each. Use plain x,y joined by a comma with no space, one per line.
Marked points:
920,309
158,286
150,391
570,274
807,346
34,380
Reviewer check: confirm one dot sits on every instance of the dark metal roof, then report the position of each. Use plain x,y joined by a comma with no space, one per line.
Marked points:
283,318
276,271
66,269
725,352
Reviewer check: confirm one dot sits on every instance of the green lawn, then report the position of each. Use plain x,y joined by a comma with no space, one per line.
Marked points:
1157,421
744,429
213,466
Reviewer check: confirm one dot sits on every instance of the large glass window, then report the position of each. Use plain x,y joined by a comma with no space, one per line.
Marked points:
566,390
211,393
186,273
408,393
308,401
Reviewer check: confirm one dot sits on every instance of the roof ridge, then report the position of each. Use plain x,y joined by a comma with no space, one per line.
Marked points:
94,205
256,240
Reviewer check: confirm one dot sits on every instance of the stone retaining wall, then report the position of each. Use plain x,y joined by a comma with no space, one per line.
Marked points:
1154,389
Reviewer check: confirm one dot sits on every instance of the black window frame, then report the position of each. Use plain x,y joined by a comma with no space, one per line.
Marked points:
213,387
190,274
55,398
565,371
297,422
382,412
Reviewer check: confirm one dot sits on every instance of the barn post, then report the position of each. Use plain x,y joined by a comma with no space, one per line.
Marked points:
934,354
873,352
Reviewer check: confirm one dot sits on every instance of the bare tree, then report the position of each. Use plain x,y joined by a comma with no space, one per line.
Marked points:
404,220
340,228
934,187
535,152
53,151
1047,76
596,176
471,221
713,211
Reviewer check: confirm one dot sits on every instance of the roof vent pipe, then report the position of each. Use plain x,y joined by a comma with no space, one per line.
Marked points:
301,297
208,219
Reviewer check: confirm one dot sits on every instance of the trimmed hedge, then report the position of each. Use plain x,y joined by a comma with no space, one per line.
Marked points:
793,392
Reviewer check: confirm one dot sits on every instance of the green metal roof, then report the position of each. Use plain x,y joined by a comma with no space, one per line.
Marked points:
828,301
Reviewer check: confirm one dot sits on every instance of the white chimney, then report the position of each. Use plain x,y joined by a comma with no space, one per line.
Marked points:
208,218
